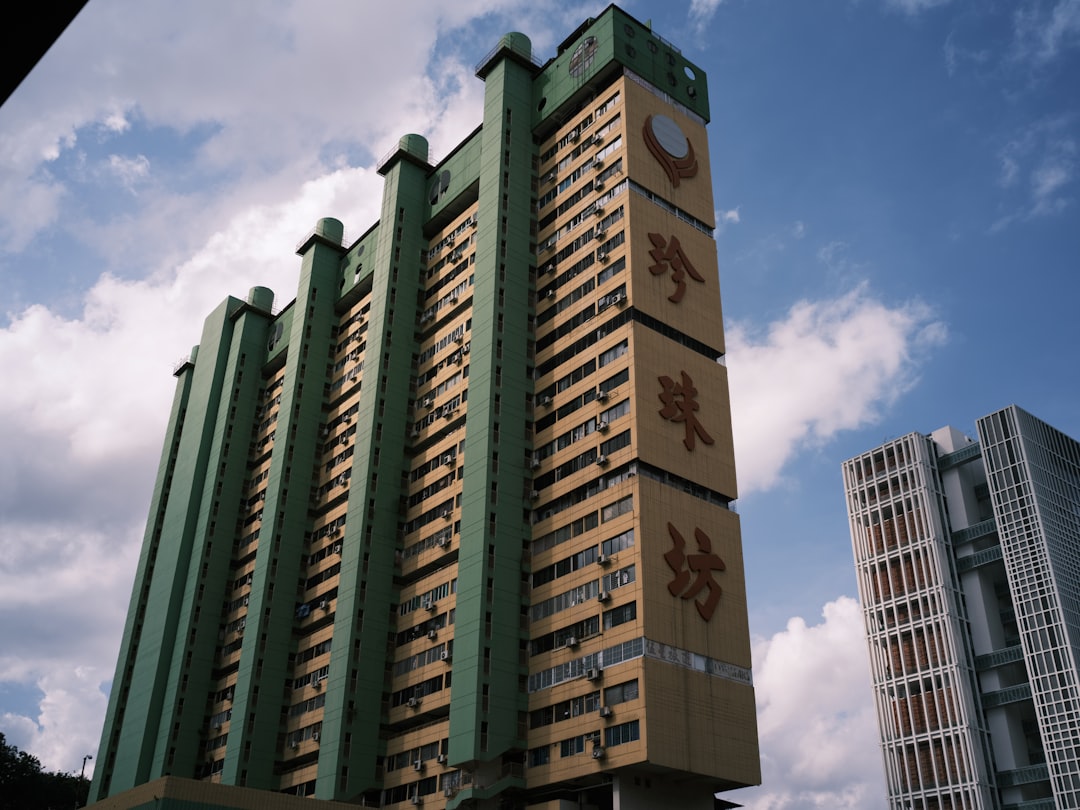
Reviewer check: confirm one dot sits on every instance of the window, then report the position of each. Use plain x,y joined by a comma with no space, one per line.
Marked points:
622,733
621,693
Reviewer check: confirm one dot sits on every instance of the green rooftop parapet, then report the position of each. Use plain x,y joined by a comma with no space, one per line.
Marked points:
413,148
514,46
328,231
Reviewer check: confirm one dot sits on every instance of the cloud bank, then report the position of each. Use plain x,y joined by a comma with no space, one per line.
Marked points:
830,365
816,718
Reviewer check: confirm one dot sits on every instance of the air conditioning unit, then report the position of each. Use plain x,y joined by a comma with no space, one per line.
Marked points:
550,177
444,655
618,298
473,222
448,460
573,136
418,765
601,255
603,596
317,683
598,752
294,745
450,241
602,559
601,425
441,759
551,294
443,542
427,603
315,736
337,548
324,604
459,339
448,791
592,673
430,605
597,139
432,634
534,494
346,418
535,464
605,711
429,401
453,299
598,185
601,395
601,461
549,267
571,641
415,434
598,163
413,702
545,400
246,600
447,514
598,231
417,801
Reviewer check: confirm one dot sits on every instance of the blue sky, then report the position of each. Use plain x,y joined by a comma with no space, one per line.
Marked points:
896,183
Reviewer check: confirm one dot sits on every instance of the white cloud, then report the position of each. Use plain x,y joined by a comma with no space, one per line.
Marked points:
65,730
828,366
265,97
1048,157
913,7
957,55
128,171
1042,31
798,229
702,12
80,459
816,719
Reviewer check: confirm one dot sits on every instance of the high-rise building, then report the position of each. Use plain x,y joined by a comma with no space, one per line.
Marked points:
455,527
968,562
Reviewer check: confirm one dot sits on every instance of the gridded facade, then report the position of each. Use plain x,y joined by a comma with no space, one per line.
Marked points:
966,558
455,527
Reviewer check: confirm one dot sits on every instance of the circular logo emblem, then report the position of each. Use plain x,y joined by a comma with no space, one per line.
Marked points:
670,137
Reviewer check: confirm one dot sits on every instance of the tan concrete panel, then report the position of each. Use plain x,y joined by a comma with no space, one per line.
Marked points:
682,447
701,723
693,193
676,618
685,265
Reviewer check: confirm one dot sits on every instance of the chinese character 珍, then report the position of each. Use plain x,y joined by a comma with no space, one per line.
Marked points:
670,254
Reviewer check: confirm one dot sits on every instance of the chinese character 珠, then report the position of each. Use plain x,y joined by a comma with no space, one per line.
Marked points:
680,405
703,564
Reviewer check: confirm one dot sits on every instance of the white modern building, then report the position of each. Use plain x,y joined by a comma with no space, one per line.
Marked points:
968,562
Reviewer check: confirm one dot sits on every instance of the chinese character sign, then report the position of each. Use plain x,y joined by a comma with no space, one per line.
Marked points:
696,567
681,405
668,255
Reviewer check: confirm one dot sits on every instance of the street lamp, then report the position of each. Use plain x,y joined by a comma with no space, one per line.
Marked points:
82,778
